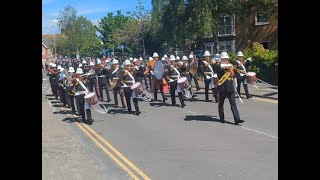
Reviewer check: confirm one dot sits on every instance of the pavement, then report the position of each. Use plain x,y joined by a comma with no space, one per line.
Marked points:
164,142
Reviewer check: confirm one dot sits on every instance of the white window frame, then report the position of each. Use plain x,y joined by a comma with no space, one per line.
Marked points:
233,26
260,23
209,45
207,35
225,43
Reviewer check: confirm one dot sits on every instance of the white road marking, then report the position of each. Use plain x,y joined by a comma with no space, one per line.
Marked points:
265,100
49,90
259,132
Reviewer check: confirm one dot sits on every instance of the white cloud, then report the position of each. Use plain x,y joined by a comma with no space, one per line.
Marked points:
50,26
91,11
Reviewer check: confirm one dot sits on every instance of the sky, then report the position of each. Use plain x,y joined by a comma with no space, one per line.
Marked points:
93,10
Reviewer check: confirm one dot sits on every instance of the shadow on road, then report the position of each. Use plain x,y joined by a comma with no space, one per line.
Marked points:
57,105
158,104
200,118
71,119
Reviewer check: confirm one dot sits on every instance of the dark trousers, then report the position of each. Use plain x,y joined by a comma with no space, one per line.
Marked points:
80,105
62,95
54,89
127,93
83,112
206,90
150,80
155,92
232,100
105,86
116,90
173,87
145,81
95,88
195,80
71,98
88,112
243,80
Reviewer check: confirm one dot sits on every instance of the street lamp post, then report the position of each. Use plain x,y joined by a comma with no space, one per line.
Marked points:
54,41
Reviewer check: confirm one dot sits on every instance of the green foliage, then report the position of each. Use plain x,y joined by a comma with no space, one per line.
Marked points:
264,62
78,34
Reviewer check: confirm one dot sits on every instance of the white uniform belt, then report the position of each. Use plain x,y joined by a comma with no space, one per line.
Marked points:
102,76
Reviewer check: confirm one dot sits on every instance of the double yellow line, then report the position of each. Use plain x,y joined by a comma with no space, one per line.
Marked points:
85,128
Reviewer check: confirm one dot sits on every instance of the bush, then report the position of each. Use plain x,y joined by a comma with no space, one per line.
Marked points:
264,62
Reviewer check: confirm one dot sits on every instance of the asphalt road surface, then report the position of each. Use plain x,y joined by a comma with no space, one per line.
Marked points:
166,142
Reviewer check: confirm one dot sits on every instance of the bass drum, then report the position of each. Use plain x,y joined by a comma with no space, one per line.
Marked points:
160,68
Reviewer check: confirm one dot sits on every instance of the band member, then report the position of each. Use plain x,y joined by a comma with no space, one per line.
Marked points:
92,81
184,72
127,79
207,71
142,67
193,68
178,59
71,89
150,64
172,76
60,87
114,76
53,79
138,72
241,75
226,88
156,84
102,75
79,96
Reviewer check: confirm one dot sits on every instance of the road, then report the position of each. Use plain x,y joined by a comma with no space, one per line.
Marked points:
167,142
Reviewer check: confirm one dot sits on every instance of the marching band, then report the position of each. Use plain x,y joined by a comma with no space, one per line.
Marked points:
83,88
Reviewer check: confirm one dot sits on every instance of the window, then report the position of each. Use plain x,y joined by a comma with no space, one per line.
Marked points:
261,19
208,34
265,44
227,26
226,46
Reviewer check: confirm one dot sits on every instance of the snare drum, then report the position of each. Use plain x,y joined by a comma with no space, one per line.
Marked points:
183,83
251,77
91,99
137,89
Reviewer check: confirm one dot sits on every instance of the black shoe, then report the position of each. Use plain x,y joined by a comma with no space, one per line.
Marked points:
198,89
164,100
138,112
130,112
90,122
222,121
173,104
216,100
241,121
109,100
207,101
236,123
249,96
194,95
182,106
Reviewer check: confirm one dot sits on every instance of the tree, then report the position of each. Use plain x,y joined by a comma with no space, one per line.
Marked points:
78,33
109,25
